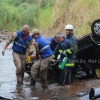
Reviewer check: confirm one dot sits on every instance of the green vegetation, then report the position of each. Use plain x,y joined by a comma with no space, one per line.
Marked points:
15,13
50,16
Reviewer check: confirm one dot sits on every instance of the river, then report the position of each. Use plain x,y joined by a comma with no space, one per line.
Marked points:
8,84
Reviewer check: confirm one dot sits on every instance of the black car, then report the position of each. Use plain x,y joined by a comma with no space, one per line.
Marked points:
88,55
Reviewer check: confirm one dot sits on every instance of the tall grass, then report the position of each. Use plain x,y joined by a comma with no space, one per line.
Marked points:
82,13
49,15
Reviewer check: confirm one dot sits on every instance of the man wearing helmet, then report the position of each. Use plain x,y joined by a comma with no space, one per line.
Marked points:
70,35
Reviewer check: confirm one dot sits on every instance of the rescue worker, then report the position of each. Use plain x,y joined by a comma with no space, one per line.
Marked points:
70,35
53,42
21,48
44,51
66,48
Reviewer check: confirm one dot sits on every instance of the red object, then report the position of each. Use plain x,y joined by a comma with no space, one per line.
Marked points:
25,36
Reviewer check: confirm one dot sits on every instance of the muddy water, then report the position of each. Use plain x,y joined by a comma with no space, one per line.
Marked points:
8,84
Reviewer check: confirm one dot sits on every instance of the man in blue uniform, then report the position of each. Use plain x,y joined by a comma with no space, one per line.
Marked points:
53,43
43,51
21,48
66,48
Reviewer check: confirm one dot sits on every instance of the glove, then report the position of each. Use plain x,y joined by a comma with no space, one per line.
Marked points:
3,51
28,59
52,60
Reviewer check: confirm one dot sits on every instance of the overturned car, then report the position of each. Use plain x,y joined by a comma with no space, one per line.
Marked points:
88,55
87,62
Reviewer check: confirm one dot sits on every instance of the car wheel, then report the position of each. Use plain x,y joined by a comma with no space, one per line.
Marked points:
95,27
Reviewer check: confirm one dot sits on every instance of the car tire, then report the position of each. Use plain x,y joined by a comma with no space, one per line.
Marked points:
95,27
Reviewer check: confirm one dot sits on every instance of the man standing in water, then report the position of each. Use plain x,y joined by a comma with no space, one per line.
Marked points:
70,36
44,56
21,48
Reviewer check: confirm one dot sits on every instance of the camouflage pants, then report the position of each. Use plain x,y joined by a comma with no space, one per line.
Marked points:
19,61
42,66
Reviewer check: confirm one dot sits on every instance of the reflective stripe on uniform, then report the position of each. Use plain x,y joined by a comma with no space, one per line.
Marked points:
44,48
53,56
60,51
20,44
15,34
70,65
69,51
